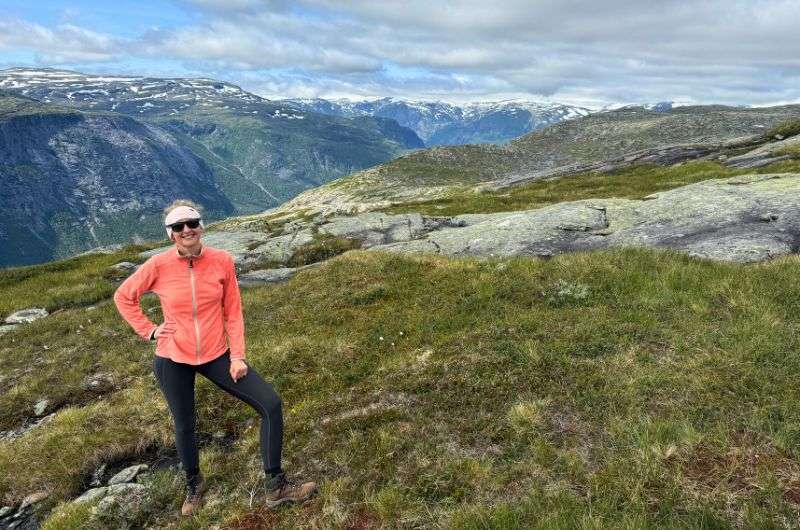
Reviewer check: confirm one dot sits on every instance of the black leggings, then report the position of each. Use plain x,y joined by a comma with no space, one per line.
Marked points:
177,383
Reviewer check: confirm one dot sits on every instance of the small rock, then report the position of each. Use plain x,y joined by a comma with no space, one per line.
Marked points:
127,474
26,315
32,499
123,269
91,308
5,510
92,494
7,328
40,407
101,382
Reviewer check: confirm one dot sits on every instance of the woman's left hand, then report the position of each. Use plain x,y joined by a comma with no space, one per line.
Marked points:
238,369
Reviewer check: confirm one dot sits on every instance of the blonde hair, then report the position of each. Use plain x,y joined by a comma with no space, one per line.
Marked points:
182,202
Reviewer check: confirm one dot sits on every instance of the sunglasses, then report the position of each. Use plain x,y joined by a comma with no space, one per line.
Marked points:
191,223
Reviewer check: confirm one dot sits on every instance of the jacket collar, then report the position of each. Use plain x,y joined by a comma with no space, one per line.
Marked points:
180,256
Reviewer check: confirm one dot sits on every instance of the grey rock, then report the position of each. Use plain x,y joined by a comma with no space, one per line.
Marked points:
101,382
41,406
742,219
123,500
265,276
26,316
92,494
765,154
32,499
7,328
127,475
276,249
125,267
376,228
5,510
535,232
16,433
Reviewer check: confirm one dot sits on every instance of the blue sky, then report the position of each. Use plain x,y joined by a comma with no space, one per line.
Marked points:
575,51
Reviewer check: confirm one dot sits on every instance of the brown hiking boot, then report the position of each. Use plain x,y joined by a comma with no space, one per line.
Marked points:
194,498
282,491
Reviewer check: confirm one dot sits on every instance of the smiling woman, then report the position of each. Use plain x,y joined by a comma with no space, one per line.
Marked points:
203,332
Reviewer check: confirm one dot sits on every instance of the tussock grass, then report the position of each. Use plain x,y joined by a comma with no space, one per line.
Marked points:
621,389
784,129
635,182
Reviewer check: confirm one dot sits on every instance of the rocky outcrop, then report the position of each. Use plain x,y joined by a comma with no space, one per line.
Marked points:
741,219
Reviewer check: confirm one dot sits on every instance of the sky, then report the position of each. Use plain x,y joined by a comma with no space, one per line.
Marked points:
589,53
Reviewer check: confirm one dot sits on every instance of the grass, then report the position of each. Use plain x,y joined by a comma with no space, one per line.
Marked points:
623,389
632,183
75,282
784,129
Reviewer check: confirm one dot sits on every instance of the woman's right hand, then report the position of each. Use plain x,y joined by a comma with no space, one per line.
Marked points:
165,330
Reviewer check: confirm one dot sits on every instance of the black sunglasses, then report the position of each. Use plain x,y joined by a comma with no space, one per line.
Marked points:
191,223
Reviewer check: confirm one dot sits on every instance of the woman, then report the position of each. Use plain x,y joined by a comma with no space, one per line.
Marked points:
201,305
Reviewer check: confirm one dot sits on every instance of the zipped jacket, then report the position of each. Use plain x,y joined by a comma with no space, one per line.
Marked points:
199,295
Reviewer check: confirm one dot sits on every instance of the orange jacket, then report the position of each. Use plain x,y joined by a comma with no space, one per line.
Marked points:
200,295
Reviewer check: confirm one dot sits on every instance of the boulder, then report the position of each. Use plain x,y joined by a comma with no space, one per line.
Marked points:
26,316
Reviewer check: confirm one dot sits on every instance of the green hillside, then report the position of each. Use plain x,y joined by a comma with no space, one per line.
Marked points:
435,174
624,389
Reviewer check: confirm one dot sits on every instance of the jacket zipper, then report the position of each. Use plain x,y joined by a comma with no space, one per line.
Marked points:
194,312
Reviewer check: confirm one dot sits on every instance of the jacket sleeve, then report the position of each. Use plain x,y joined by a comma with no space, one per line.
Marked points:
232,312
128,295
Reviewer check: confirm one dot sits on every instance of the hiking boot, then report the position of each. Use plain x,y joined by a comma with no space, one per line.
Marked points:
194,497
283,491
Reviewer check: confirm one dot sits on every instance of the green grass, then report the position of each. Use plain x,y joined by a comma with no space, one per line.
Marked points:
785,129
79,281
622,389
632,183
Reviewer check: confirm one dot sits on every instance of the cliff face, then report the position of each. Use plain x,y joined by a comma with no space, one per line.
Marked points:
90,149
73,180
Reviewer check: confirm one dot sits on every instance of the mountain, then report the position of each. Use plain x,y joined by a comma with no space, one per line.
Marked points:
439,123
600,141
251,152
75,179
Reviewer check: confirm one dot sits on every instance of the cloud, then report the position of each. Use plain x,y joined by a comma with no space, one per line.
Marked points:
63,44
729,51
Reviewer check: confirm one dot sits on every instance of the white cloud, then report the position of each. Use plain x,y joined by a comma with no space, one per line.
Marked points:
63,44
729,51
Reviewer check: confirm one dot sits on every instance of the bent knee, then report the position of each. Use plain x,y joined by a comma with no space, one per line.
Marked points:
273,406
